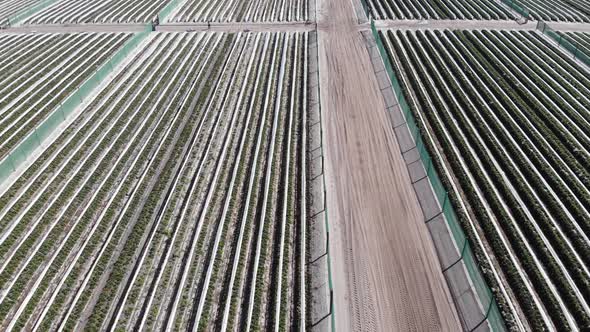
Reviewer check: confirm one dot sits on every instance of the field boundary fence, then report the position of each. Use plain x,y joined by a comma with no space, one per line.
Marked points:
20,16
167,10
562,42
517,8
328,256
320,258
483,292
37,136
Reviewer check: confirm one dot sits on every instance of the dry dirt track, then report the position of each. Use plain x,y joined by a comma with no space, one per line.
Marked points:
386,273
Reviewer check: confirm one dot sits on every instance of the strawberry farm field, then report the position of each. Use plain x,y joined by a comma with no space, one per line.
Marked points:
294,165
142,11
175,200
97,11
39,72
508,114
242,11
11,7
539,10
557,10
439,9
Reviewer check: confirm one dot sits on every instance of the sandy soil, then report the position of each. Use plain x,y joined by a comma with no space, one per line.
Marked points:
386,273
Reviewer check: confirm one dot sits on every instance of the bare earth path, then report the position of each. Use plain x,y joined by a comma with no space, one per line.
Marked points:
386,273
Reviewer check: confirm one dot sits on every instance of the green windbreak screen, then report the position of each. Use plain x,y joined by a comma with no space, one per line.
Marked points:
35,138
21,15
563,42
517,8
169,8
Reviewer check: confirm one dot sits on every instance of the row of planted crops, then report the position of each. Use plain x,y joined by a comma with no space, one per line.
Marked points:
557,10
547,10
175,200
242,11
39,71
439,9
507,115
143,11
9,8
102,11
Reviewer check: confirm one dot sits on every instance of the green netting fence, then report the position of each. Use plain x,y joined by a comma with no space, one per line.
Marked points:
329,261
486,297
562,41
331,312
330,283
517,8
169,8
35,138
17,18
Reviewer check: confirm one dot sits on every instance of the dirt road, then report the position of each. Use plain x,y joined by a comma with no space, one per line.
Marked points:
386,273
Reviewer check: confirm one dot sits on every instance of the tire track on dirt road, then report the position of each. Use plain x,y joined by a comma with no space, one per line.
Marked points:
385,269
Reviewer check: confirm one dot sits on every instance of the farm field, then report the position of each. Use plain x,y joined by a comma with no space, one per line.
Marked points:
510,114
557,10
439,9
175,200
38,72
241,11
157,173
11,7
98,11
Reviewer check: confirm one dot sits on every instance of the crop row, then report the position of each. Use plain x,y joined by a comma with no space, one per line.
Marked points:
10,7
241,11
172,200
510,114
38,74
102,11
557,10
187,269
439,9
65,187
